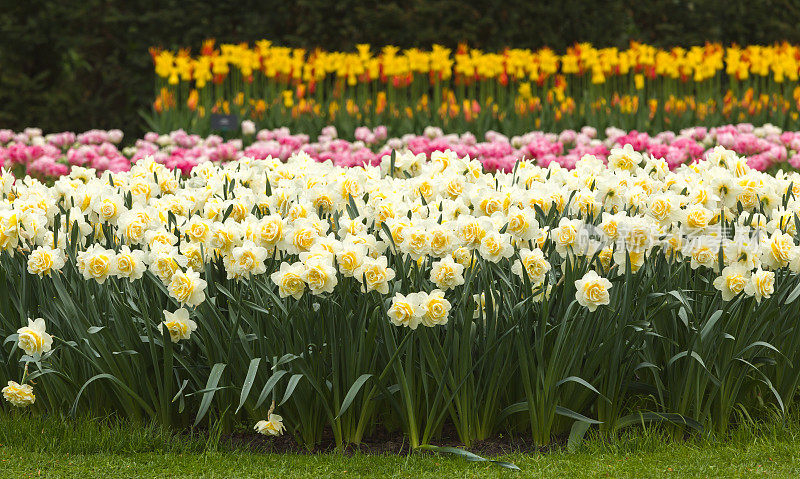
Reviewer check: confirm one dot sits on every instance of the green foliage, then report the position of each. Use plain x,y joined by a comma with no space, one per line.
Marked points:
83,65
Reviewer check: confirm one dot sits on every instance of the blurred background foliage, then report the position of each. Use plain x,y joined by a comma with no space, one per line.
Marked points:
80,65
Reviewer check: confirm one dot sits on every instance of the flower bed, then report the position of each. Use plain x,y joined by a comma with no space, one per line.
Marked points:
49,156
641,87
415,294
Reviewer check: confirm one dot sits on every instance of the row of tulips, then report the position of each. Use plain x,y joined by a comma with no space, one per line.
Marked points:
417,294
513,91
48,157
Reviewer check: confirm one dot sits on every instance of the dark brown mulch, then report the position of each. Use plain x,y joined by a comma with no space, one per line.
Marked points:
385,442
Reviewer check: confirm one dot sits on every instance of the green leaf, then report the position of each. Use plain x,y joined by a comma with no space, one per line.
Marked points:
388,232
657,417
576,379
290,387
128,352
119,383
793,295
392,160
248,381
710,324
285,359
683,354
562,411
180,390
351,206
576,434
44,372
211,384
271,382
351,394
207,390
255,307
646,364
762,344
274,297
512,409
467,455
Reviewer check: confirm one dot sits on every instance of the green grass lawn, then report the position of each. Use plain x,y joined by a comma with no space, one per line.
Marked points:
41,447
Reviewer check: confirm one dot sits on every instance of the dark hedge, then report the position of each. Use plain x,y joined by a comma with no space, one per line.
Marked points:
81,65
